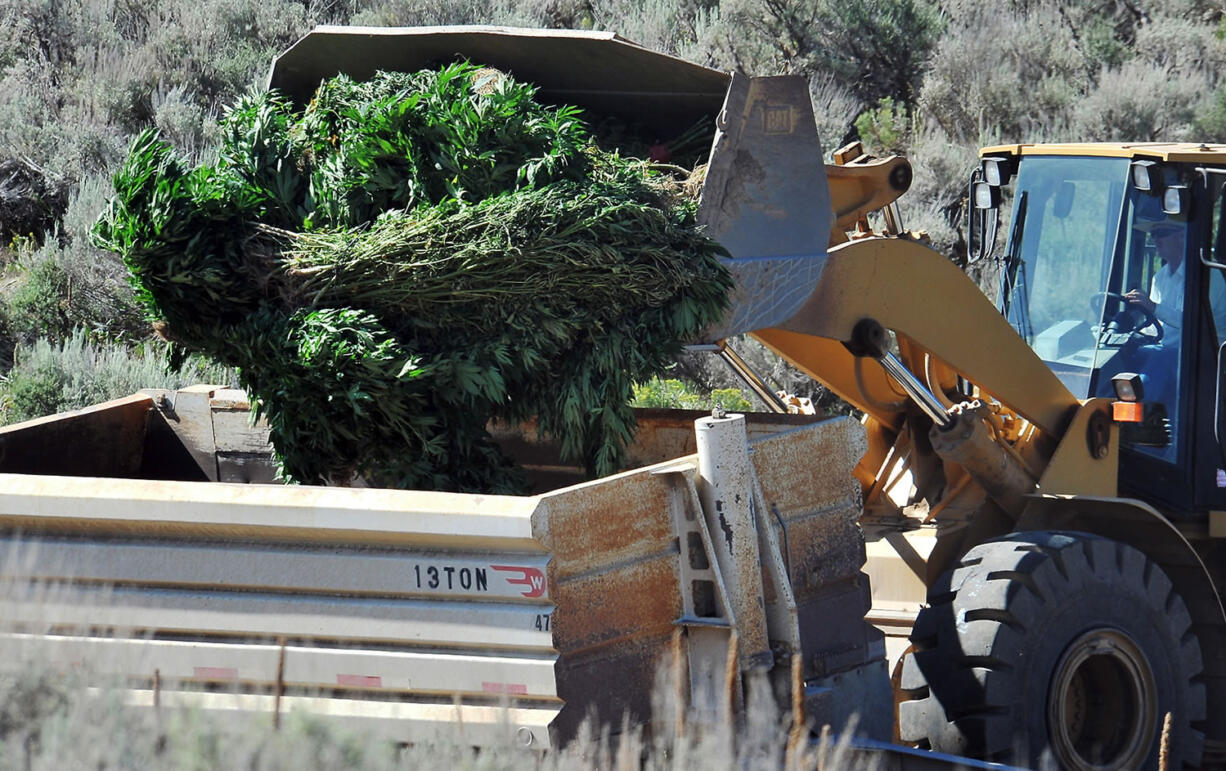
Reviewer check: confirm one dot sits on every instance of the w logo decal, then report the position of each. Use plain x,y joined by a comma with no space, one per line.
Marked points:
532,578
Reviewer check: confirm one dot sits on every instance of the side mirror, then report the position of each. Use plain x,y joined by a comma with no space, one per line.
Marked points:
983,217
997,171
986,196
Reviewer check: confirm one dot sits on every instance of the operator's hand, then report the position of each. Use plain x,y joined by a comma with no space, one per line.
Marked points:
1139,298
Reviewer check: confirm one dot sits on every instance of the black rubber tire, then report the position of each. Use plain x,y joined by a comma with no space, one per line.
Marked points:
1060,628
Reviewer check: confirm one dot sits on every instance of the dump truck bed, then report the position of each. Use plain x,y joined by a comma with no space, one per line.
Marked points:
411,611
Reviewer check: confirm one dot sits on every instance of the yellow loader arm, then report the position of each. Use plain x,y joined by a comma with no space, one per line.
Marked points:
938,313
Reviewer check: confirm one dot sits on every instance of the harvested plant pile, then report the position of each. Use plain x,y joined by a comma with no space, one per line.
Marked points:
409,257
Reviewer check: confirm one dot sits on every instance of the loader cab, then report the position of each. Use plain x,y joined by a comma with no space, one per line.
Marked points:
1114,263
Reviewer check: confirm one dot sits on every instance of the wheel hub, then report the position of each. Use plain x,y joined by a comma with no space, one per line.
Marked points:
1100,705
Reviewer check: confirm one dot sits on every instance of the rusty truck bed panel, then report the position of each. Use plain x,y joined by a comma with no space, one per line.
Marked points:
616,561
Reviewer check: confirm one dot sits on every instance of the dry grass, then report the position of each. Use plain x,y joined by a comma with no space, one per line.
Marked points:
67,716
50,719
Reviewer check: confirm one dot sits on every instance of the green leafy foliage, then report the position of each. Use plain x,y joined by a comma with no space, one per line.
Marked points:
411,256
343,398
398,140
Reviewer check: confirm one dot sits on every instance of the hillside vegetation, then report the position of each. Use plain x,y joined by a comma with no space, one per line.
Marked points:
933,80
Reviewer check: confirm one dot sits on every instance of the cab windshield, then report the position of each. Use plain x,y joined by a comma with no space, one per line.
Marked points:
1094,282
1066,215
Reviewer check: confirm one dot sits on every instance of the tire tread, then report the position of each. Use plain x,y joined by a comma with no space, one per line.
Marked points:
992,623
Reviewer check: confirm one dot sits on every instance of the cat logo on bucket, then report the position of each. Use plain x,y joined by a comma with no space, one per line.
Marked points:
532,578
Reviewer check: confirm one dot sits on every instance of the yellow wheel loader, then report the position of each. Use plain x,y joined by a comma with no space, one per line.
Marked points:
1048,469
1038,481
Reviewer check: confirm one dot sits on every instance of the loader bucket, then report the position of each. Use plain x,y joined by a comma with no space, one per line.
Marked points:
765,195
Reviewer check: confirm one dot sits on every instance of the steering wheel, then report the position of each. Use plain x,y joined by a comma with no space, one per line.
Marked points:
1132,318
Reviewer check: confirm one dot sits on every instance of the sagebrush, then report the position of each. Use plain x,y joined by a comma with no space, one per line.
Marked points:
78,79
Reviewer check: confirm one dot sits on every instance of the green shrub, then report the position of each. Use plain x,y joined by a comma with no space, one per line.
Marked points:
883,45
1103,44
876,48
1004,73
407,13
937,200
731,399
67,284
835,108
1141,102
666,394
1210,125
50,377
32,392
8,338
78,77
40,306
683,28
669,393
885,130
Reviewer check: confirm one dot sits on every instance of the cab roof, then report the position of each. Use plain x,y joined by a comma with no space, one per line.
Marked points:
1174,152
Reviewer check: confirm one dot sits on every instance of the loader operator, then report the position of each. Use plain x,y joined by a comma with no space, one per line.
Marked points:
1158,361
1165,299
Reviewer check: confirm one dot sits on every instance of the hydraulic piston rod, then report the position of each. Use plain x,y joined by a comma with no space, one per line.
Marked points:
961,437
869,338
923,398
